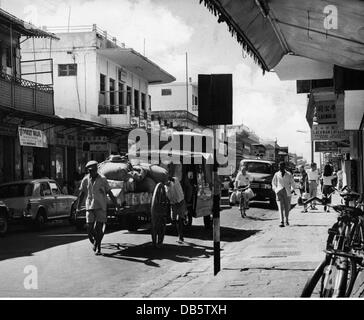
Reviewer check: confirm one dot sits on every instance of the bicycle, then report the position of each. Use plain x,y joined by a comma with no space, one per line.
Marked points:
344,256
243,203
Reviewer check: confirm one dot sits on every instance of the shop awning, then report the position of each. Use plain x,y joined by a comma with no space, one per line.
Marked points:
354,110
293,67
22,27
138,64
269,30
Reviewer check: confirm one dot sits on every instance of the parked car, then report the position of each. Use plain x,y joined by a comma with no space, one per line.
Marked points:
261,173
36,201
4,213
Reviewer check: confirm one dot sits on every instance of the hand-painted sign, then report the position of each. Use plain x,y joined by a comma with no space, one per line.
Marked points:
329,132
32,138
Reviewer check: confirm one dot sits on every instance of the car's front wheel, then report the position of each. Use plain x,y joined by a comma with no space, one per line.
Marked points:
40,220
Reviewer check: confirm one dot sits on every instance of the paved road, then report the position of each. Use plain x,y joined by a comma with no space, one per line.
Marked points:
259,259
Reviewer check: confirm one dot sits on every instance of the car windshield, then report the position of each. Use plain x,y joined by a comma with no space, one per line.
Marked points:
258,167
17,190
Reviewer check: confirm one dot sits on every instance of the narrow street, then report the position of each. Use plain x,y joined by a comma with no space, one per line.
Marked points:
259,259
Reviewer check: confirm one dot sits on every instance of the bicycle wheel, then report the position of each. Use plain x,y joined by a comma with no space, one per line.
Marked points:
331,279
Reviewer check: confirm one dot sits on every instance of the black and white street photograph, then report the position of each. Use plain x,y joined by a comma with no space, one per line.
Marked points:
187,151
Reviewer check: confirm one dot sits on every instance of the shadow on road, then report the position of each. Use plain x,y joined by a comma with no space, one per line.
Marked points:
147,254
199,232
22,242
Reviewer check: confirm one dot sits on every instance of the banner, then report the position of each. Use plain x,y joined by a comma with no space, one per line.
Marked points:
32,138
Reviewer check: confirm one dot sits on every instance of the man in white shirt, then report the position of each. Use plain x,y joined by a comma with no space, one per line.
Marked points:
313,180
282,184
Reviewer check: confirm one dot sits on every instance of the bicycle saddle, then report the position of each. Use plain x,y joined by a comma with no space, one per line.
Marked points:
356,212
350,196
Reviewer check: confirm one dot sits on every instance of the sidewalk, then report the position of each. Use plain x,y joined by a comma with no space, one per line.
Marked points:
275,263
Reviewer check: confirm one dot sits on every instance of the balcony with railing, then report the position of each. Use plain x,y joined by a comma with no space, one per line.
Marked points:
117,113
25,95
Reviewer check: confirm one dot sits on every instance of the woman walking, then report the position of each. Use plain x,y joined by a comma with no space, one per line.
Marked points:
327,187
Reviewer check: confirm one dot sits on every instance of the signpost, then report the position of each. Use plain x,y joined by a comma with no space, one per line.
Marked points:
215,94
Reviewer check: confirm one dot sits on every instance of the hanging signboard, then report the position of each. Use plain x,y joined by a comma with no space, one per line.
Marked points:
326,112
329,132
331,146
32,138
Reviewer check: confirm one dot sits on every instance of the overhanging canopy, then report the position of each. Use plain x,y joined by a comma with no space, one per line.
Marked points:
138,64
268,30
22,27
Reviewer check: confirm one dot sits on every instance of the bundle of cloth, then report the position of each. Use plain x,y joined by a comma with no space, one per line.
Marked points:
139,178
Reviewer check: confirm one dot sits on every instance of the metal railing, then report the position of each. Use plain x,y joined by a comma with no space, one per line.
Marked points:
26,83
86,28
113,109
26,95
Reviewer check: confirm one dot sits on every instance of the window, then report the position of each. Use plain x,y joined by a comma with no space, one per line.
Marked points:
143,102
136,102
150,102
121,97
128,96
166,92
112,96
102,83
45,190
55,189
66,70
18,190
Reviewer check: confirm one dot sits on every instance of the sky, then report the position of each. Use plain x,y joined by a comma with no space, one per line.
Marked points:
168,29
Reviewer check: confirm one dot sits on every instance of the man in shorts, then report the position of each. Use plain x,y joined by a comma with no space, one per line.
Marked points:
96,188
178,205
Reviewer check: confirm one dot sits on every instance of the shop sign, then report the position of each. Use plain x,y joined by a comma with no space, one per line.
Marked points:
331,146
32,138
329,132
326,112
98,146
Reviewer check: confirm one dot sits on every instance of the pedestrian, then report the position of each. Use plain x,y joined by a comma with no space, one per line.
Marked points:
304,187
340,178
282,185
95,188
178,205
327,189
313,180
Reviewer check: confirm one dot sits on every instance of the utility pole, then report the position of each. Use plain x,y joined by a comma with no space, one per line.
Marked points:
187,81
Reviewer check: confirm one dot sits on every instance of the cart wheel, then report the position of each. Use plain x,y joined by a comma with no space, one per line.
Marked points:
159,213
